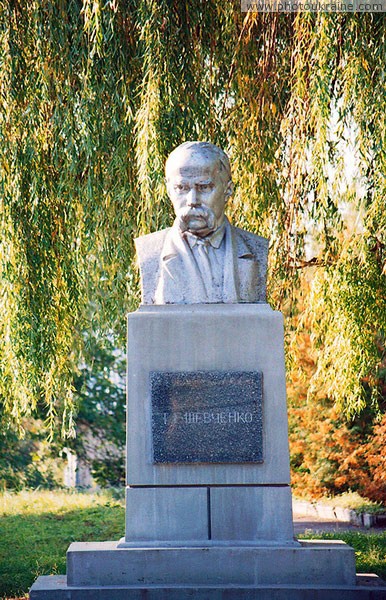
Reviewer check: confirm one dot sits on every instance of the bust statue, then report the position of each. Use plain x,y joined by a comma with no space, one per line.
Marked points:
202,258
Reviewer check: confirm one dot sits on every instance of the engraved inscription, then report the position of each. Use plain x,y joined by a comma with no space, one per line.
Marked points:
208,417
190,418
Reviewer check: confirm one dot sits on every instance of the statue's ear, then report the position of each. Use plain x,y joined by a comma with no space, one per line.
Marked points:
229,190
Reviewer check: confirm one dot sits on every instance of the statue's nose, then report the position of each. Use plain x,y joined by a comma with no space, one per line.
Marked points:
192,199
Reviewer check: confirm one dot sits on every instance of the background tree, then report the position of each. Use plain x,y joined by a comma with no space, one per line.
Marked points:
93,96
101,411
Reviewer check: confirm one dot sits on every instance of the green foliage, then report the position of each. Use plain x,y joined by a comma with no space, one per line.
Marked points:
29,462
66,195
93,96
109,471
348,317
101,418
100,388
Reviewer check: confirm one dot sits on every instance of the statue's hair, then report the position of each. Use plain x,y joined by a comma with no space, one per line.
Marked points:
207,149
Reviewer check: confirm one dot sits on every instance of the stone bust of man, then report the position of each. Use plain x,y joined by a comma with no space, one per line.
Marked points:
202,258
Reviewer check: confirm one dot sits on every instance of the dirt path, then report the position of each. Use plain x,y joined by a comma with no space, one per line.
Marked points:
305,523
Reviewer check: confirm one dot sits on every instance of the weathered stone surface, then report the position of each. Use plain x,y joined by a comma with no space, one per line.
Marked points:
254,513
160,516
166,514
207,416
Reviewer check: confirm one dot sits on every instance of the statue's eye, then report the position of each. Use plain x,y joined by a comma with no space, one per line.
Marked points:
205,187
179,187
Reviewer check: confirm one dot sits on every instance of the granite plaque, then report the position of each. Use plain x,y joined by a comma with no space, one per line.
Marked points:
207,417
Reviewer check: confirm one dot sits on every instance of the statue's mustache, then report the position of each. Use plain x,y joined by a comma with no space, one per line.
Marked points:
197,212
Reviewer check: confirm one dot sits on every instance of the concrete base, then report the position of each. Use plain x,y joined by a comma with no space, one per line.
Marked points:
310,562
367,587
204,531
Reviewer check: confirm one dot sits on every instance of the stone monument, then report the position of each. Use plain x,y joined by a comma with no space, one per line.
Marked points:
208,502
202,258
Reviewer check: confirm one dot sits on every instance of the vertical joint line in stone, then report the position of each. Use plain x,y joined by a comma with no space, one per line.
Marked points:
209,513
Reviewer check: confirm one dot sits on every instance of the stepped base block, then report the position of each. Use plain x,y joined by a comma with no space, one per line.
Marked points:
316,562
104,565
368,587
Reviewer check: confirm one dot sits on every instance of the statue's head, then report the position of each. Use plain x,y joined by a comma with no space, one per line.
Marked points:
199,183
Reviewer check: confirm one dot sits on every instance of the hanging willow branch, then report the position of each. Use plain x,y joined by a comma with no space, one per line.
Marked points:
93,97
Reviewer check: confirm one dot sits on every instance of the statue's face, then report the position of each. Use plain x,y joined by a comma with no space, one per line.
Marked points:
199,191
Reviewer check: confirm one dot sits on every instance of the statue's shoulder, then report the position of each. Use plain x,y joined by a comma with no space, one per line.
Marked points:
255,243
150,245
149,248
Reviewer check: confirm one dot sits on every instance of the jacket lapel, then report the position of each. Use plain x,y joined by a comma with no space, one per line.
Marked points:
180,280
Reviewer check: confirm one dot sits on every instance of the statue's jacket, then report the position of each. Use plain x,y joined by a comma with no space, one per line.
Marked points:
169,273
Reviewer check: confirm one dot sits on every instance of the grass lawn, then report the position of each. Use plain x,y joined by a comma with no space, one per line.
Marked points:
36,528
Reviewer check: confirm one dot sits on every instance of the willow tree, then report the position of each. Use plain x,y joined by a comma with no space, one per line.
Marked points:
94,95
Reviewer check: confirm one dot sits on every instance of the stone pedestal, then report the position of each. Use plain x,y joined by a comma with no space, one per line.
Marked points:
209,511
209,496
